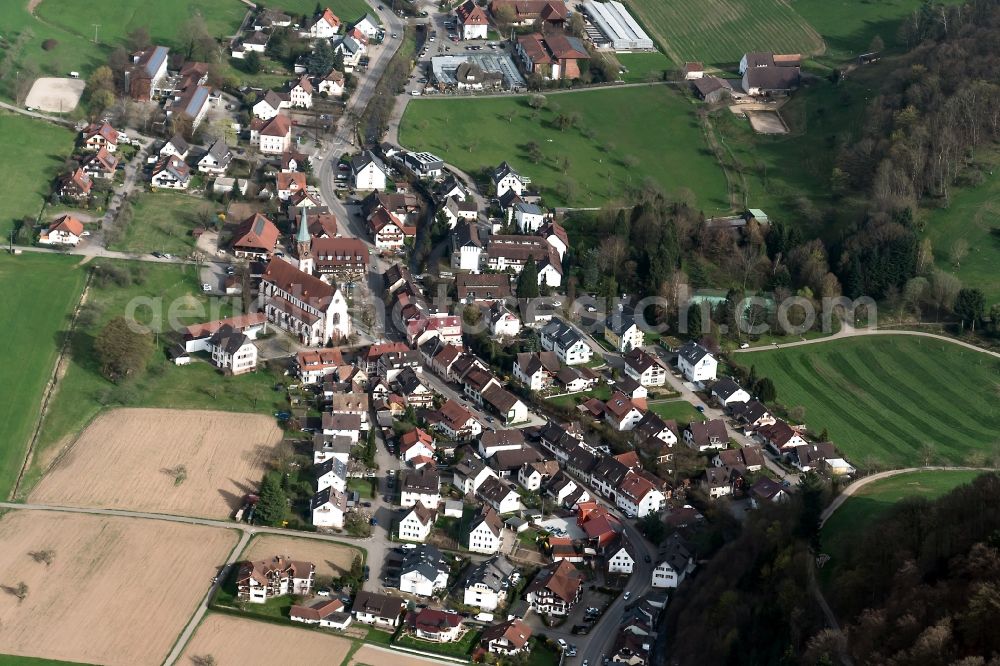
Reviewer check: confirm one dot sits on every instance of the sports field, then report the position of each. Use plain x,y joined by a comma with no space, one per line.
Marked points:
874,499
893,400
27,180
719,32
619,138
40,293
83,392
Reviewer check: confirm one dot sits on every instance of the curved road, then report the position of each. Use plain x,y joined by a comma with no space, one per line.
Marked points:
847,331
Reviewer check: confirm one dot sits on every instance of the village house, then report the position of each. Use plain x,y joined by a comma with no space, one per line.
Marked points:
552,56
502,322
727,392
271,18
675,564
811,456
435,625
513,252
191,103
486,585
455,421
552,13
506,638
705,435
533,475
749,458
416,448
254,238
325,26
466,247
326,613
780,437
256,582
101,164
622,333
621,413
555,590
102,135
655,436
272,137
696,363
473,21
149,67
765,491
175,146
485,533
644,368
75,185
718,482
269,105
328,508
216,160
505,404
351,50
171,173
569,346
423,486
751,415
424,571
300,95
368,172
380,610
505,179
766,73
529,218
387,230
255,42
232,351
619,556
331,473
416,524
197,337
314,366
638,496
64,230
332,84
339,259
289,183
498,495
486,288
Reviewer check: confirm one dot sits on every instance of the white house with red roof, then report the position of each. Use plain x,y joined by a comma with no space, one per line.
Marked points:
473,20
638,496
97,136
417,448
325,26
273,136
332,84
387,230
301,94
65,230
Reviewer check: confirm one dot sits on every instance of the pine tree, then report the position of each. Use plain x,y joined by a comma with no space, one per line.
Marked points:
527,281
273,505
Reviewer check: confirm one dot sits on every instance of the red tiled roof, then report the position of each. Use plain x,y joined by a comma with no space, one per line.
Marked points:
256,232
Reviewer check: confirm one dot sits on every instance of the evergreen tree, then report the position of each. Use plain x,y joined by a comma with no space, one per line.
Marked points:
527,281
273,504
970,306
765,390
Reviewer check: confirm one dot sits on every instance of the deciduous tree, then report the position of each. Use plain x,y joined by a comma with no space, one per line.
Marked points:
122,350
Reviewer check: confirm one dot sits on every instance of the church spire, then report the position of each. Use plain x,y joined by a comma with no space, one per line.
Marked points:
303,244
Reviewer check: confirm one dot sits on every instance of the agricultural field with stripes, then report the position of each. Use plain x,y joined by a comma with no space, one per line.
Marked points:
895,400
719,32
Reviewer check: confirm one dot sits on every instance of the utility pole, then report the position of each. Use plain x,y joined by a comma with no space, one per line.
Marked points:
96,26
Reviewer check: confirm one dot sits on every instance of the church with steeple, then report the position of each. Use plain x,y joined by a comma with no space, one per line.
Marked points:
303,245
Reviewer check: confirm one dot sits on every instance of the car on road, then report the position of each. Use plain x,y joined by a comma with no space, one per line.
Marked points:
591,308
626,595
284,416
394,35
562,643
367,571
158,255
745,345
343,167
700,408
167,255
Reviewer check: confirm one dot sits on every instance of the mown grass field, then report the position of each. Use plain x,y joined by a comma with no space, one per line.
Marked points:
164,20
654,126
848,26
891,400
12,660
871,501
162,221
154,290
40,293
719,32
643,67
973,214
27,178
681,411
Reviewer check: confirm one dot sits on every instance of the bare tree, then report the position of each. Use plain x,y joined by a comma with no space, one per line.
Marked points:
959,250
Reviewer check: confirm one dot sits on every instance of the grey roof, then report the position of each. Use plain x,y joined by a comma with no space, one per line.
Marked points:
561,332
359,162
331,443
527,208
726,387
772,78
329,495
620,322
422,481
179,144
750,411
692,352
220,153
335,465
425,560
229,339
492,573
502,171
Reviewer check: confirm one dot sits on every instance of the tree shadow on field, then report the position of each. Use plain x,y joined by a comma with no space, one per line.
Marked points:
339,570
232,500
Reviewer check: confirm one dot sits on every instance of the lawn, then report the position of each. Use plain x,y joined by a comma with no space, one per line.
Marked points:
461,648
895,401
873,500
541,654
27,180
848,26
644,67
155,288
164,20
41,293
622,137
347,11
720,31
973,213
361,486
23,56
602,392
681,411
163,221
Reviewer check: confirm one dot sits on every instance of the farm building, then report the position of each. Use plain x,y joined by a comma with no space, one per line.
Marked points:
476,71
618,27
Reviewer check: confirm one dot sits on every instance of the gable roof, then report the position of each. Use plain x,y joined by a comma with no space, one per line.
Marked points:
380,605
692,352
280,125
514,631
256,232
68,224
560,579
312,290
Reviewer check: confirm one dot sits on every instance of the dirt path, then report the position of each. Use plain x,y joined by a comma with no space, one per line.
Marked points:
58,372
32,5
847,331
